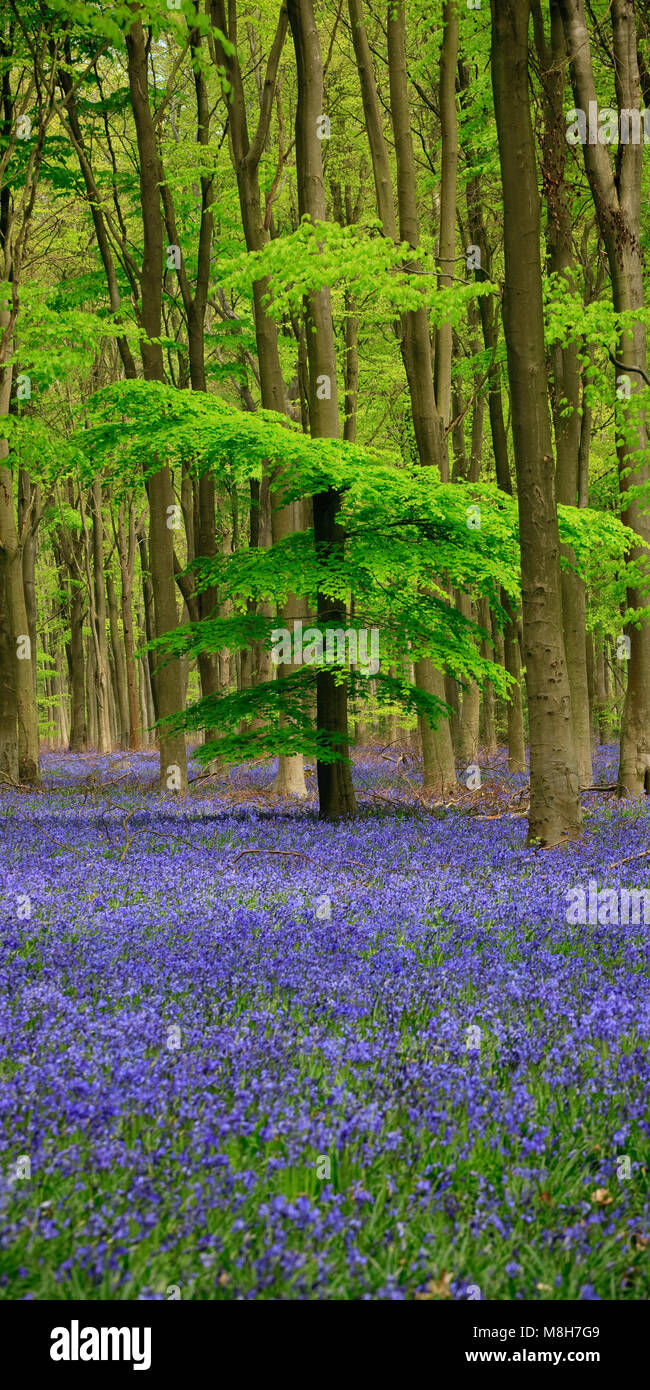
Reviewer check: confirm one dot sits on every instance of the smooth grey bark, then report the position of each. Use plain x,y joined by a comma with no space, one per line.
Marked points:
246,152
13,587
8,706
564,372
335,789
118,666
173,756
126,546
555,812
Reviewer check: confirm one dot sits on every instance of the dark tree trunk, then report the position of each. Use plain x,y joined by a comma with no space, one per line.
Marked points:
126,552
246,154
565,376
555,811
335,789
119,667
173,757
8,706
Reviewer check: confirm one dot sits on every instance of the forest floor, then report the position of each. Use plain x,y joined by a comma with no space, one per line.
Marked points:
245,1054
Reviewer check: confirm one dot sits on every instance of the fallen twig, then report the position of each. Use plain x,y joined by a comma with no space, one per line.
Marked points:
21,786
299,854
295,852
642,854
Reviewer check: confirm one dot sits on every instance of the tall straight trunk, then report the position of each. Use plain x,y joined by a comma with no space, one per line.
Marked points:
23,651
25,501
226,660
586,423
62,725
8,706
68,548
142,700
448,175
468,726
488,704
565,376
17,203
246,154
47,700
113,711
601,695
437,746
416,343
335,789
76,679
351,372
173,757
126,555
201,533
147,708
91,694
489,319
258,655
591,687
347,215
149,615
512,663
119,666
616,193
555,811
97,595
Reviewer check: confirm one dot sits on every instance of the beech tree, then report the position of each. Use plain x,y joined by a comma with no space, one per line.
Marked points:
271,275
555,812
616,192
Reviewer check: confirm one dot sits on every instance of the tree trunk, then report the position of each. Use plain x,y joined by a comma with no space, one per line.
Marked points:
555,811
8,706
119,666
91,694
29,559
335,789
97,597
173,757
565,378
416,343
246,154
616,196
603,712
126,554
448,175
512,663
468,724
75,658
489,714
23,651
437,747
